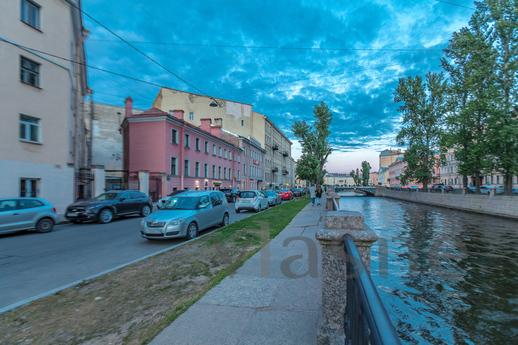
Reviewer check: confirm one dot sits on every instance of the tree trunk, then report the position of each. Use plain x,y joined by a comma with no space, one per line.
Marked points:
508,184
464,181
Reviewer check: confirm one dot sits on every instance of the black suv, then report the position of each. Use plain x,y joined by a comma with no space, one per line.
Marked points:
109,205
440,187
230,193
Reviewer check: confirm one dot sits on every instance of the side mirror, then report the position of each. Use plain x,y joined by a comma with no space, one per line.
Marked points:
205,205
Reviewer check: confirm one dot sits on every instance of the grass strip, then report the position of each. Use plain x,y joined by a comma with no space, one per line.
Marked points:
132,305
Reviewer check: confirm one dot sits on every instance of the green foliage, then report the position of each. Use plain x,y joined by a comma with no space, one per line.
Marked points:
481,62
315,145
366,169
422,109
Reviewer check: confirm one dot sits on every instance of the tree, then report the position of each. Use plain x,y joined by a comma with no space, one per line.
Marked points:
422,109
315,146
500,30
481,122
365,173
353,175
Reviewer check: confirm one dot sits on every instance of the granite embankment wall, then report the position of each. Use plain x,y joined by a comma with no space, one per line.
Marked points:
498,205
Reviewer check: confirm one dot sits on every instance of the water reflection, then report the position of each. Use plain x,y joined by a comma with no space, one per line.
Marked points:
447,277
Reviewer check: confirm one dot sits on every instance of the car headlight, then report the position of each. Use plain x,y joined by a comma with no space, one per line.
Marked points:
174,223
143,222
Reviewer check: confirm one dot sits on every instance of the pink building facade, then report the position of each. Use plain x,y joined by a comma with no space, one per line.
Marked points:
395,172
178,155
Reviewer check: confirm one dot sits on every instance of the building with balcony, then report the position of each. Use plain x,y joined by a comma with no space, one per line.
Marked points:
43,132
338,179
279,165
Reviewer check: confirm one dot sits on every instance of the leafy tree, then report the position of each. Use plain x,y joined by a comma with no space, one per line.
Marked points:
481,65
315,146
422,108
365,172
499,20
353,175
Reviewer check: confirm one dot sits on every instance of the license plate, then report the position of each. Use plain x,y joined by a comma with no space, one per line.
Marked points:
72,214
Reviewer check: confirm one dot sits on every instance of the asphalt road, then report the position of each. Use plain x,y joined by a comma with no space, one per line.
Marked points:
32,263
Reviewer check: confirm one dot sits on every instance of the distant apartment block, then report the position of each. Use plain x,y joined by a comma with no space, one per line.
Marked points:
43,136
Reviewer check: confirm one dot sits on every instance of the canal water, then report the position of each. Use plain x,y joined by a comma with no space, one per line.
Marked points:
445,276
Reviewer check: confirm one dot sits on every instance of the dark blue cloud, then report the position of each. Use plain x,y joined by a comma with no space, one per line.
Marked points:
285,83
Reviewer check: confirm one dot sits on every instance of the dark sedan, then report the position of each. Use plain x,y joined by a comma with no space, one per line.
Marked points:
109,205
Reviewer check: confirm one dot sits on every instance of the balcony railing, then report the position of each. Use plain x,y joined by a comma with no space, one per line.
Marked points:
366,320
285,153
275,169
275,147
285,171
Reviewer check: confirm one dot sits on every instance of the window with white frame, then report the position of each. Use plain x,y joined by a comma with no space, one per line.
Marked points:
214,152
205,170
206,146
197,169
30,129
29,72
30,13
174,136
174,166
29,187
220,151
186,170
191,116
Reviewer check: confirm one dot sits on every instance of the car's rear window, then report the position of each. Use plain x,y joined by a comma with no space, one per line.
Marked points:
247,195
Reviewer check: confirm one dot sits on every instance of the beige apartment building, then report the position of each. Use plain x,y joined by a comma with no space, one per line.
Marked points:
278,163
387,157
43,137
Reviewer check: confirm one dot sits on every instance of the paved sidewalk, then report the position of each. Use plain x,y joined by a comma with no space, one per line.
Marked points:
263,302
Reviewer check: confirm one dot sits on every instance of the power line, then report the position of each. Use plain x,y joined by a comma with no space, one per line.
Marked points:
186,82
268,47
454,4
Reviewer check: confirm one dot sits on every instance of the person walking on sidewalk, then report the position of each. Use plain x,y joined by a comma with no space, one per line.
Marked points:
312,194
318,194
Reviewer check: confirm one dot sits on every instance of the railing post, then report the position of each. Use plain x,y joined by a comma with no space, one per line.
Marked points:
336,224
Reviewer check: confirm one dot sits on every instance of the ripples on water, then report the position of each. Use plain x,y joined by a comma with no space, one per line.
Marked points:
450,277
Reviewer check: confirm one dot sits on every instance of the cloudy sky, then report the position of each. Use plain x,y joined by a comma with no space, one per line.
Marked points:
281,56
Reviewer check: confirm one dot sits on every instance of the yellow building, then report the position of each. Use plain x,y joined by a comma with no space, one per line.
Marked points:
238,118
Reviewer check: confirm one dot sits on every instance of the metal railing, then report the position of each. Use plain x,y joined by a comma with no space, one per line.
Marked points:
366,320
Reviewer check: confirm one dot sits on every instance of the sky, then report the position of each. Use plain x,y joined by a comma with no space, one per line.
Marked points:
282,56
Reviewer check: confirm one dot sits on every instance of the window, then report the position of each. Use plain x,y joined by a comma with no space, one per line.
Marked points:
30,129
29,187
230,156
242,123
225,153
224,173
198,144
29,203
214,150
220,151
206,147
29,72
239,174
191,116
213,171
205,170
219,172
174,136
197,169
174,166
186,168
30,13
186,139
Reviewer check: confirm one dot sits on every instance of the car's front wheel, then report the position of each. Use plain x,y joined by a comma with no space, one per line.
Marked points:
145,211
45,225
105,216
192,230
225,220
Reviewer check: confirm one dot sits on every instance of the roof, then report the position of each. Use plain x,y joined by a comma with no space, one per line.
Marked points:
202,95
390,152
276,128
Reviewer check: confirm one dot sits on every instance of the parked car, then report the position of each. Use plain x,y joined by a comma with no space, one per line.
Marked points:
162,201
230,193
439,187
107,206
286,194
486,188
273,197
186,214
296,192
252,200
26,214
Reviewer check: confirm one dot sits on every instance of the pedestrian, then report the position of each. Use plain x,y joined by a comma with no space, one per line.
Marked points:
318,194
312,194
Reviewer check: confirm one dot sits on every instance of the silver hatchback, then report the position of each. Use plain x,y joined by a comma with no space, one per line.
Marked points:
26,214
186,214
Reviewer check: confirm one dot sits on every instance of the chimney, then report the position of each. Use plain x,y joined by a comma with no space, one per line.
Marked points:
218,122
128,105
178,114
215,129
205,124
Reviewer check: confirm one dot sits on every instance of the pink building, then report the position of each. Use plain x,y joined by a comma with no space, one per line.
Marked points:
395,171
178,155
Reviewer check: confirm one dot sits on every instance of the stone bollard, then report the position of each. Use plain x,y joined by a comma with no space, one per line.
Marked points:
337,224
